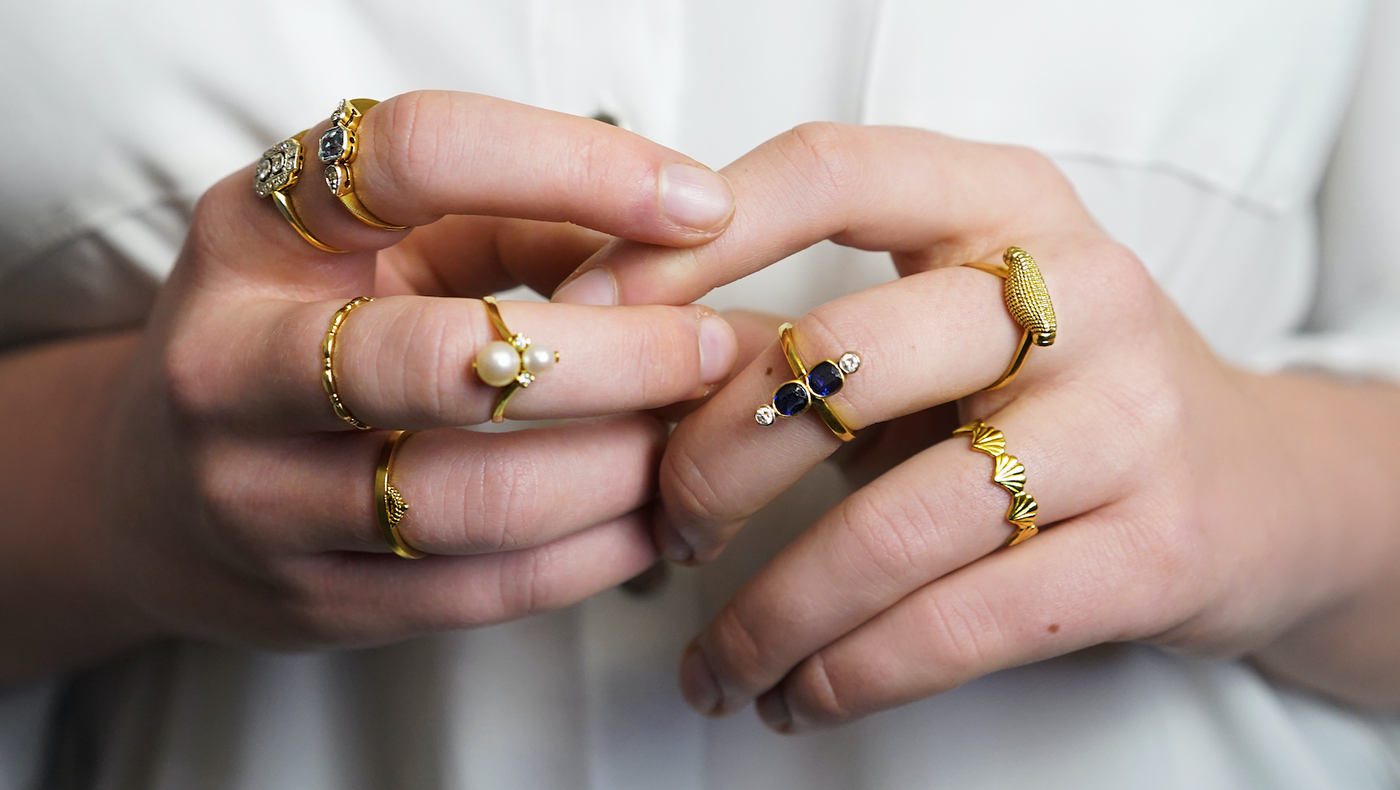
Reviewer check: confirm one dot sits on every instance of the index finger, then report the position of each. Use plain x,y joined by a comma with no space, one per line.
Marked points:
422,156
929,199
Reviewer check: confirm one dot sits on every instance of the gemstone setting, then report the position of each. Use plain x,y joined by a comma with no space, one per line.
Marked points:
825,379
278,168
335,144
849,362
792,399
765,415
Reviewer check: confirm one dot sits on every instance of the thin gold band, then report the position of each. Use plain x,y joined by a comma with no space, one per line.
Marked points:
274,185
1029,302
389,504
328,361
339,177
1010,474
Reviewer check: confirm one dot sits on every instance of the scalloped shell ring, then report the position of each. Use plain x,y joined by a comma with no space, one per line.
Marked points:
1008,473
1029,302
513,362
810,388
338,148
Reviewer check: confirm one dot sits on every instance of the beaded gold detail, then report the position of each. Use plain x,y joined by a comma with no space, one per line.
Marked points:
1010,474
328,361
389,505
1029,302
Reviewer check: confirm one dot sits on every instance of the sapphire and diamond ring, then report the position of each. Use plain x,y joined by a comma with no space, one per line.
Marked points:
810,388
513,362
337,148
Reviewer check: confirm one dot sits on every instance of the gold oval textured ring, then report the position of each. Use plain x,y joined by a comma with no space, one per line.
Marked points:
1029,303
278,170
513,362
389,504
1009,473
338,147
328,361
809,388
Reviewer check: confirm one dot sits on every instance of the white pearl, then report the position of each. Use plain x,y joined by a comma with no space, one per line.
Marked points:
497,363
538,358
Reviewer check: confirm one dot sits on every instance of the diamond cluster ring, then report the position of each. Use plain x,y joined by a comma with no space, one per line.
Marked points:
810,388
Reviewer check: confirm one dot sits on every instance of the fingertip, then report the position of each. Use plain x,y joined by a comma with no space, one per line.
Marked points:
596,287
695,198
719,348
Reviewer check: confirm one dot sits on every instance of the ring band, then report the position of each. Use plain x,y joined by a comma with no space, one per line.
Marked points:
1009,473
338,148
278,170
328,361
512,362
1029,302
809,388
389,504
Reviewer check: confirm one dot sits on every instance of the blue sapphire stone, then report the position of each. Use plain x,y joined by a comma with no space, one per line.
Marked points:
792,399
825,379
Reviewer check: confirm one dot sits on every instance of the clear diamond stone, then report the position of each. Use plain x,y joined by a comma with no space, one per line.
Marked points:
849,363
333,179
339,111
335,141
520,342
264,168
525,379
765,415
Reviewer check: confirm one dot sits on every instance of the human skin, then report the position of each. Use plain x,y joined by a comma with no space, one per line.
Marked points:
192,480
1184,502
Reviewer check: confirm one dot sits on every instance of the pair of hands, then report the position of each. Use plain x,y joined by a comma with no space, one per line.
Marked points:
240,508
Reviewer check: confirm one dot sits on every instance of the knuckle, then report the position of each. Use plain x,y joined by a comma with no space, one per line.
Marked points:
825,154
965,634
505,491
187,378
410,146
739,654
892,534
688,492
820,693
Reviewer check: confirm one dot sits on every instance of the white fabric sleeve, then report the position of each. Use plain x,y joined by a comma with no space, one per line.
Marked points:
1354,328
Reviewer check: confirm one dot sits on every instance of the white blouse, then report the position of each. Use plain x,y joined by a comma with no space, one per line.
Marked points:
1199,132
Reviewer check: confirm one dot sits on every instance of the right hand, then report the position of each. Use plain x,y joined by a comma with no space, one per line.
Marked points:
240,509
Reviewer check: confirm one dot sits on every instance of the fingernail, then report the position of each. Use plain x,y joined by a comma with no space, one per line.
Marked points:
695,197
698,684
672,546
718,348
593,287
773,709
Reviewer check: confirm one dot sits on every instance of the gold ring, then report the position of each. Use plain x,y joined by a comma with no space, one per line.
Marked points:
810,388
1008,473
328,361
1029,303
338,147
389,505
512,362
278,170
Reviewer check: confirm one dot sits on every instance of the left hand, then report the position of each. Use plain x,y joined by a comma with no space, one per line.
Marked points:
1192,504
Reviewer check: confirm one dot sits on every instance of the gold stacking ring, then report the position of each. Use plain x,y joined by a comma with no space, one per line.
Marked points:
810,388
513,362
1029,303
389,504
328,361
278,170
338,148
1008,473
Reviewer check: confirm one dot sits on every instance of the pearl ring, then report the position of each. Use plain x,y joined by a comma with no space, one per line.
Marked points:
512,362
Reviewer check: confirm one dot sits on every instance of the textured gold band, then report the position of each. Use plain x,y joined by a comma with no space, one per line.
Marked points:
1029,303
1008,473
328,361
389,504
278,170
338,148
